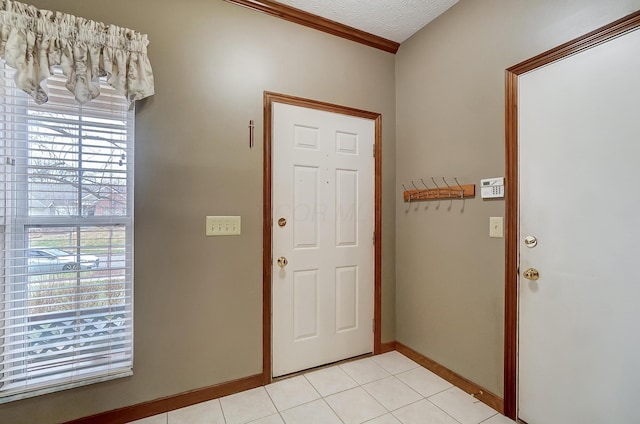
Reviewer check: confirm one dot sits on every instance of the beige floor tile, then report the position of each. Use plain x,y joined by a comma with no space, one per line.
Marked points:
355,406
392,393
291,392
202,413
247,406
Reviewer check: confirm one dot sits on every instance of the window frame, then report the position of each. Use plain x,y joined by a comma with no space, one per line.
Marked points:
18,225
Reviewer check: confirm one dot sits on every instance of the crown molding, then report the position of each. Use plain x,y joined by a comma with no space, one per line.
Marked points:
319,23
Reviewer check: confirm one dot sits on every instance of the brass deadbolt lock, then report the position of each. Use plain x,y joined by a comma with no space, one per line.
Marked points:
530,241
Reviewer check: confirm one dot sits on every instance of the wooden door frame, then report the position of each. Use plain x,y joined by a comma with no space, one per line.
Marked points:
269,99
580,44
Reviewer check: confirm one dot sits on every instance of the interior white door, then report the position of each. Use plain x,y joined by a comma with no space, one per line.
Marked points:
578,335
323,222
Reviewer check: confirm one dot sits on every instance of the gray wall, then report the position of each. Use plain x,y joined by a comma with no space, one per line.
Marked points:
198,301
450,122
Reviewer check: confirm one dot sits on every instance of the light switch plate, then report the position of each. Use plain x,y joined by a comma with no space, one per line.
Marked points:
496,227
223,226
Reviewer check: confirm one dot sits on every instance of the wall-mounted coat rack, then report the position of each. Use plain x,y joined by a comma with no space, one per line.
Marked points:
438,191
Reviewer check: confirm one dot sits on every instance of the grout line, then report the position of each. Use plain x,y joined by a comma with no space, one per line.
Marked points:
377,401
405,385
377,379
333,410
270,415
443,411
337,367
409,387
271,399
483,421
441,391
358,386
312,386
224,417
409,404
301,404
339,391
295,406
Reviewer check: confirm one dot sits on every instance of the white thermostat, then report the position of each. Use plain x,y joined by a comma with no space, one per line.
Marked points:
492,188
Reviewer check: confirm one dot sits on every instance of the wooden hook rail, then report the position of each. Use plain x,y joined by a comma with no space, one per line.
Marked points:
455,191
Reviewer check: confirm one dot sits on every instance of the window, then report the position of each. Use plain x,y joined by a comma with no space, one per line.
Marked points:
66,239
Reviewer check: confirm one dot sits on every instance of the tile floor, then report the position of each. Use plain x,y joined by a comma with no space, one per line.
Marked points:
384,389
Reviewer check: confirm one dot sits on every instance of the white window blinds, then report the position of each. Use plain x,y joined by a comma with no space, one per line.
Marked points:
66,239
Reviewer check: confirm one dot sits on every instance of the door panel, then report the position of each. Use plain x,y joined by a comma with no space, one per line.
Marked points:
346,207
346,298
305,304
578,338
305,214
323,186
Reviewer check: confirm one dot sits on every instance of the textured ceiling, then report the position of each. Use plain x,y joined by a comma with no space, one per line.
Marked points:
394,20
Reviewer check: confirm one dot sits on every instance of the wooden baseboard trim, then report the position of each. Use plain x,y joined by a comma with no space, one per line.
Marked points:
387,347
470,387
170,403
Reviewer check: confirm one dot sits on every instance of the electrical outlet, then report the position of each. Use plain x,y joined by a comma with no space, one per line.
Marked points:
223,226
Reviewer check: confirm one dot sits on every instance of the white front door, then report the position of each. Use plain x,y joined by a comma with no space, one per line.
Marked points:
579,324
323,223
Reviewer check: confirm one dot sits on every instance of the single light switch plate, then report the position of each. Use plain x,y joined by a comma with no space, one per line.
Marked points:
496,227
223,226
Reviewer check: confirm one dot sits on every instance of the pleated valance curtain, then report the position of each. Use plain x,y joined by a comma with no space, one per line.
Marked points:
34,41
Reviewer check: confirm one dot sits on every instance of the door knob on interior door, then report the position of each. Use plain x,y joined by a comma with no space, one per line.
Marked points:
282,261
531,274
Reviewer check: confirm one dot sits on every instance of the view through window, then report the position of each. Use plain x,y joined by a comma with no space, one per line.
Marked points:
66,239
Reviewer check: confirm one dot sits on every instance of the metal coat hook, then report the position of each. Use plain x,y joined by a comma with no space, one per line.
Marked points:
437,186
426,193
251,126
417,190
459,186
410,195
448,186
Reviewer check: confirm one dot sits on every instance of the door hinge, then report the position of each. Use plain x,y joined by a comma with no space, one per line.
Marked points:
374,150
374,237
373,325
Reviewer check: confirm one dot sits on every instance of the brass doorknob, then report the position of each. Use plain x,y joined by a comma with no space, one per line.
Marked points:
531,274
282,261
